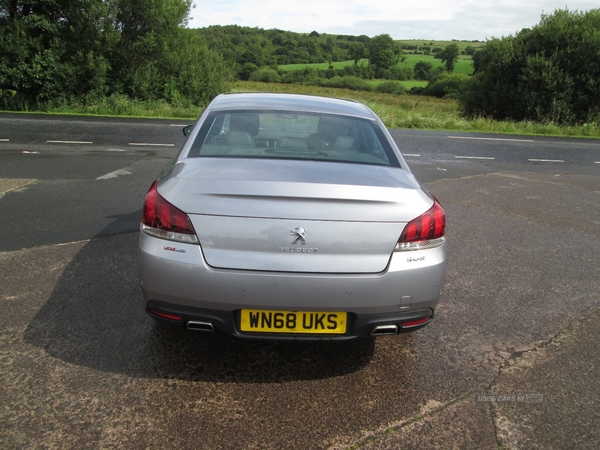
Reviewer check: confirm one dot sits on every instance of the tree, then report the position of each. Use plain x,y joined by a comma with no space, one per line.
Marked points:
380,42
59,50
357,51
251,54
51,49
449,56
422,70
189,72
549,73
476,61
383,53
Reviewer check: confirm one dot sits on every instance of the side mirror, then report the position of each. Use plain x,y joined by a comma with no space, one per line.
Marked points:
187,130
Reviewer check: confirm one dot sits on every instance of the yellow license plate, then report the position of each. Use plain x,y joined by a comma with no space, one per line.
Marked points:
310,322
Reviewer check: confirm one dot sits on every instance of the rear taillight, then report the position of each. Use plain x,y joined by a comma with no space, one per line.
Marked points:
163,220
426,231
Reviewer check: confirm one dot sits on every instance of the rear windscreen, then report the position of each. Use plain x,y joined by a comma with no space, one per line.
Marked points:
303,136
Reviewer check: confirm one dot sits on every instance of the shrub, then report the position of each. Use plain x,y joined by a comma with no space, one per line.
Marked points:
423,70
247,70
549,73
390,87
447,85
417,90
308,75
266,76
398,73
358,70
353,83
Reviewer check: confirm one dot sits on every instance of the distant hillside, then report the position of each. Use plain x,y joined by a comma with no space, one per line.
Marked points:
242,45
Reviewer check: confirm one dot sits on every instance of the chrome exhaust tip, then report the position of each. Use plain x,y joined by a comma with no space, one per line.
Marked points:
200,326
383,330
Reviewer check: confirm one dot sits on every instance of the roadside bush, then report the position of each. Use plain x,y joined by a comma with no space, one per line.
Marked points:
549,73
447,85
58,53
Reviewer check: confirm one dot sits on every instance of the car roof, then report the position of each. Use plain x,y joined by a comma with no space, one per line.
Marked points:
290,102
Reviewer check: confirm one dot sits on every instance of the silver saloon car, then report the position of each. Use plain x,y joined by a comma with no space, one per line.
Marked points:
291,217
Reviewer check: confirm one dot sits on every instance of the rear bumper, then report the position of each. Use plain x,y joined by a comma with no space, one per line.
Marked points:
359,325
176,280
178,273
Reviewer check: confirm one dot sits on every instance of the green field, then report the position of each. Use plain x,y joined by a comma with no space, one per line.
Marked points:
408,84
463,65
321,66
409,57
462,45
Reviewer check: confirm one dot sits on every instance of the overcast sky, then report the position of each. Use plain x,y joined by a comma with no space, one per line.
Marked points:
401,19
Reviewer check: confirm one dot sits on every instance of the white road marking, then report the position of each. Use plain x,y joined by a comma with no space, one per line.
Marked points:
178,125
490,139
474,157
114,174
4,140
145,144
596,162
546,160
411,154
114,150
69,142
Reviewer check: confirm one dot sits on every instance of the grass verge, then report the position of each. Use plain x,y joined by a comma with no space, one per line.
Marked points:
425,113
118,105
396,111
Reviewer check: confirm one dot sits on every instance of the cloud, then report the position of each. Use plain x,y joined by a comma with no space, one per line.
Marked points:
434,19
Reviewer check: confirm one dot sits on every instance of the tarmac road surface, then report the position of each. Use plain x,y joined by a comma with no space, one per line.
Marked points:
510,361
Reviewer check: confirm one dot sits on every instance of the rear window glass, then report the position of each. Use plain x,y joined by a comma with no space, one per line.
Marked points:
292,135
